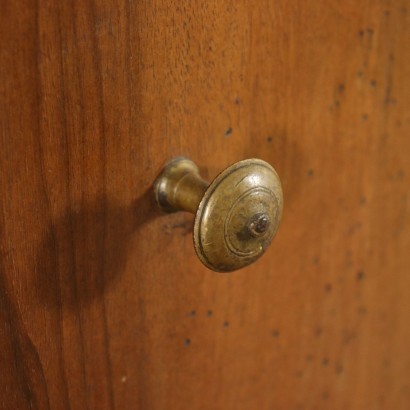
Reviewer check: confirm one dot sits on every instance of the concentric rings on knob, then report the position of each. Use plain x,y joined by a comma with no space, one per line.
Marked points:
238,216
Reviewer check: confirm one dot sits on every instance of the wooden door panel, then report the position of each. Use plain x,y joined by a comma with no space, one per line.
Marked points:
104,303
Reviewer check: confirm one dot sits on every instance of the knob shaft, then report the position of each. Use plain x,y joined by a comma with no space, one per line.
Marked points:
237,215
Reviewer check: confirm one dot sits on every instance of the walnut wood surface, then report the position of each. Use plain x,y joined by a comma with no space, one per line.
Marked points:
103,303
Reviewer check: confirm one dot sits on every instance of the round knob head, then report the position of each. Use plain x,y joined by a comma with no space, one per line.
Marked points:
238,216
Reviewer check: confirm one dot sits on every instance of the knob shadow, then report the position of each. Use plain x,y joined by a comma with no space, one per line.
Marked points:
84,252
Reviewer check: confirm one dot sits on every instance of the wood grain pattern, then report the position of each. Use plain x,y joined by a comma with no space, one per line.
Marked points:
103,303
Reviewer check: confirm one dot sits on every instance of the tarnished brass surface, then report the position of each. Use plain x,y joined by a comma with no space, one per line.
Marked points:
180,187
237,215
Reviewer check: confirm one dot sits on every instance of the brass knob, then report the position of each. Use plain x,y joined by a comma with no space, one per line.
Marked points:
237,215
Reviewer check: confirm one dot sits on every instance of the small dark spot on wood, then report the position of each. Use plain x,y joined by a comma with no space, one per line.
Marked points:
309,357
185,227
348,336
328,287
360,275
362,310
316,260
310,172
269,139
299,374
318,331
228,132
237,100
397,176
370,31
209,313
325,361
390,101
361,33
362,200
341,87
332,312
337,103
187,342
226,324
365,117
360,73
387,13
325,395
192,313
339,369
354,227
373,83
276,333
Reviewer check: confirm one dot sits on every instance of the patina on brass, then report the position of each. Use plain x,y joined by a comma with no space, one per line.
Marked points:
237,215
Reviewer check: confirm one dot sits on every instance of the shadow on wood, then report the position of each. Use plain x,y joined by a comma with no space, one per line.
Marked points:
84,252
